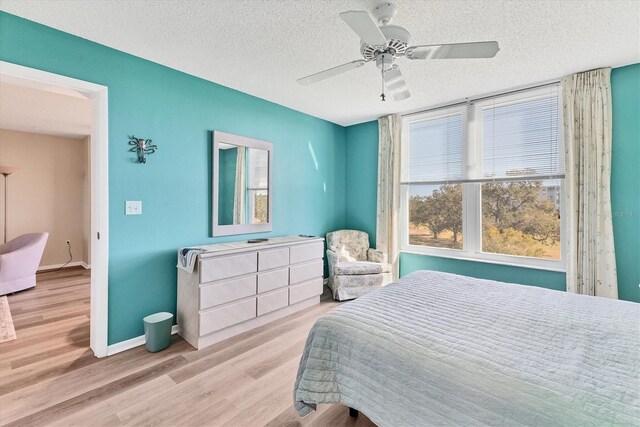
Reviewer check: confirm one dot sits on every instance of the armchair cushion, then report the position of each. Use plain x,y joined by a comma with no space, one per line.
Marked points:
357,268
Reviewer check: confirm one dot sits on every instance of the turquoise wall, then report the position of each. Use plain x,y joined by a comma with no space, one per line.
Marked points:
410,262
178,112
625,178
361,177
362,143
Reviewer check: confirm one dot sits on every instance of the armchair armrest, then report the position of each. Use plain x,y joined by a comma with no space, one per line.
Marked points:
332,257
375,255
19,263
332,260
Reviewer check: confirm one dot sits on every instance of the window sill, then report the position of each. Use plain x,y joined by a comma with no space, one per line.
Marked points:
507,260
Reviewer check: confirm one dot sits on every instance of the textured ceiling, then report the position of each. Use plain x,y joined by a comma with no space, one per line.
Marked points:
262,47
45,110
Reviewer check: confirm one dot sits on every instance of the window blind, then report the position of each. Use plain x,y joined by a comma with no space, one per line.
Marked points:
258,169
519,136
435,147
516,136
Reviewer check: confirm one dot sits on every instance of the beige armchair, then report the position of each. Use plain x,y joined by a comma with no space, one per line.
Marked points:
354,268
19,260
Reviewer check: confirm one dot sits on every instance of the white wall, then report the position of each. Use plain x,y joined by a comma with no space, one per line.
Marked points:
86,203
48,191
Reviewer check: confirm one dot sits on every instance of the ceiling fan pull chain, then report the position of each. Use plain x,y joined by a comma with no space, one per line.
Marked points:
382,78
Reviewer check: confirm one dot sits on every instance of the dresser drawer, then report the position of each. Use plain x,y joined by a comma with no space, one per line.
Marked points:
220,318
273,280
228,266
303,272
305,290
273,258
273,301
302,253
227,291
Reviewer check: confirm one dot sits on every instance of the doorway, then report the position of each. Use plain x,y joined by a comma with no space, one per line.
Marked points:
98,239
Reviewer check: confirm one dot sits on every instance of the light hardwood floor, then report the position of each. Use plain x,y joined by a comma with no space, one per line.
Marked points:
48,376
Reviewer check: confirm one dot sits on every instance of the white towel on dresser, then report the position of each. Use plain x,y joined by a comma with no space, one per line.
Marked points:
187,258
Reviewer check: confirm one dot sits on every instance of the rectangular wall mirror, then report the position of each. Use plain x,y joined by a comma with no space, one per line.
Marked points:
241,185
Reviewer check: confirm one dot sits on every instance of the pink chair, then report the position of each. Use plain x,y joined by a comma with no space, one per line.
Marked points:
19,260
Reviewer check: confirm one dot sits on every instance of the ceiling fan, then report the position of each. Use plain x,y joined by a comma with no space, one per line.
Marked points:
386,43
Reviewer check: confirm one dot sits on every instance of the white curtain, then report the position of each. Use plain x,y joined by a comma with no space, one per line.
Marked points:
239,197
390,129
591,263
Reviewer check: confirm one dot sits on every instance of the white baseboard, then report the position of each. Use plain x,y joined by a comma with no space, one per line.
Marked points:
54,266
71,264
132,343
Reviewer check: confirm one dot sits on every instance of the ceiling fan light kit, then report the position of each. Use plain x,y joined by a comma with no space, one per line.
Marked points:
386,43
384,61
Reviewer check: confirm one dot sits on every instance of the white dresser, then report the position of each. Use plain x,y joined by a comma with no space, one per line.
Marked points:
238,286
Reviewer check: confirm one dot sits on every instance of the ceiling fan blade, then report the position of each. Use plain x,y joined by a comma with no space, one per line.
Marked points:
454,50
364,26
331,72
394,81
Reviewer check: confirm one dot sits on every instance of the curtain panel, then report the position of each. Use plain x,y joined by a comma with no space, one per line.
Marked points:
387,228
239,197
591,263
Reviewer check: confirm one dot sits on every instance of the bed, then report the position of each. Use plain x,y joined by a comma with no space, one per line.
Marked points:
443,349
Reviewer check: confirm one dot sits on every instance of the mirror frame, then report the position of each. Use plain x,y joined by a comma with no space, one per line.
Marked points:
238,140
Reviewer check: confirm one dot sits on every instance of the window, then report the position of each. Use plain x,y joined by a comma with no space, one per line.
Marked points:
435,208
483,180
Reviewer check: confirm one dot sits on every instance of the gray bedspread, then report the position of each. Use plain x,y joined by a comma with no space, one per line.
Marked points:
442,349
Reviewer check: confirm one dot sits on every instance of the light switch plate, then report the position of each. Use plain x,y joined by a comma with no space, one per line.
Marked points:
133,207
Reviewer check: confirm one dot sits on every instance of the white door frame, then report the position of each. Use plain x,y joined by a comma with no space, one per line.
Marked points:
98,95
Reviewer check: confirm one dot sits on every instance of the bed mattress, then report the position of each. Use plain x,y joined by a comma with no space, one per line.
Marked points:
444,349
